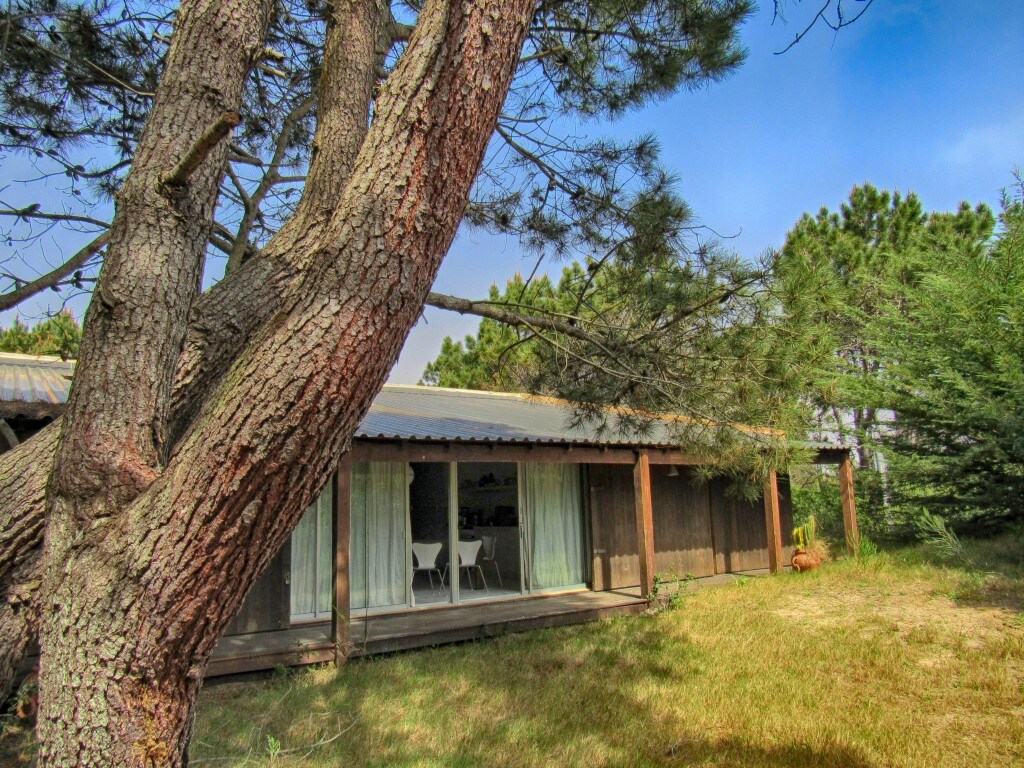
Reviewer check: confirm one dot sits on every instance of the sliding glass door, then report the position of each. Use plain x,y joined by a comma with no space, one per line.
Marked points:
380,563
553,533
448,533
312,560
488,536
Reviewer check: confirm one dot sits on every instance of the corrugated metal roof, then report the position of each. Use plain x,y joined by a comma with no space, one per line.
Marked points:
400,412
34,380
432,413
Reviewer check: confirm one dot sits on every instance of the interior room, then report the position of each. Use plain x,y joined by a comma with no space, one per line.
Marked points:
428,522
488,503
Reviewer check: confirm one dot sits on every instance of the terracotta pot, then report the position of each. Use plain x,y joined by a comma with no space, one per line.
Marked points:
805,561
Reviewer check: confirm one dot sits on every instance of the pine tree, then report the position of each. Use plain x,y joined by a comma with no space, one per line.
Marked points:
949,349
58,335
199,427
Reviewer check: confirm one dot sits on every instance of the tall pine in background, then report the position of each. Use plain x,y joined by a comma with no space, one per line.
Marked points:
949,345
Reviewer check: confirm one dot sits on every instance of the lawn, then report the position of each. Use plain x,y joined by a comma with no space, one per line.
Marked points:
893,661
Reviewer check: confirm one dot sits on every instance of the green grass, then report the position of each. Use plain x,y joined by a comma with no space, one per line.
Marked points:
896,661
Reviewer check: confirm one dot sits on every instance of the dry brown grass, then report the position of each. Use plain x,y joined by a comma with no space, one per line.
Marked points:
891,662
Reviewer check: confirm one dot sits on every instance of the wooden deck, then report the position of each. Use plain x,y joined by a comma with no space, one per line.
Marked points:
311,643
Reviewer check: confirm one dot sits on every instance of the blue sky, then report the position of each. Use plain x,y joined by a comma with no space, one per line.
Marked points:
922,96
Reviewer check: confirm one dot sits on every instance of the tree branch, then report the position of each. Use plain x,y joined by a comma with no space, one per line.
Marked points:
174,180
820,16
492,312
76,262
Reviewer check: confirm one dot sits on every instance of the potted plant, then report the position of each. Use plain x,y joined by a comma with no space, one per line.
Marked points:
810,551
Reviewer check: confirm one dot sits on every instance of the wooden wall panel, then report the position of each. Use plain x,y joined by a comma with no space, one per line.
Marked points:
267,606
741,539
616,562
682,523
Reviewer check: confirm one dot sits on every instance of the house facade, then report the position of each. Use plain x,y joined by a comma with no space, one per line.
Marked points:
458,515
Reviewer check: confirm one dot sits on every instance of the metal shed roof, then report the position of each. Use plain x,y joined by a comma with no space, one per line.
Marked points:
34,385
432,413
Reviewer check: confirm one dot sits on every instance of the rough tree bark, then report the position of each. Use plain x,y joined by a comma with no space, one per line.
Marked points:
23,475
113,441
144,590
223,319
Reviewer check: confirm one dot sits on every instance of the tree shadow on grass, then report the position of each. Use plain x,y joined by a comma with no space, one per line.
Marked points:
588,697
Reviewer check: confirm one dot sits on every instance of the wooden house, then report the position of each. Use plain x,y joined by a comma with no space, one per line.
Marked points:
459,515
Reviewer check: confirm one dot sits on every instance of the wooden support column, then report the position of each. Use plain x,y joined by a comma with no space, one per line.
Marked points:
644,522
341,615
849,506
773,522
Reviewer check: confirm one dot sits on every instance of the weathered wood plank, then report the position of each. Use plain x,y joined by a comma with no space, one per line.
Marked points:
644,521
773,524
849,506
267,605
616,564
682,523
741,542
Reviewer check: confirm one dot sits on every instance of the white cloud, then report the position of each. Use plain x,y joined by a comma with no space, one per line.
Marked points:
996,145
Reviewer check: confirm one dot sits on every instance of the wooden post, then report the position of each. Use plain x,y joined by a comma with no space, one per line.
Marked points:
773,522
644,522
849,506
342,614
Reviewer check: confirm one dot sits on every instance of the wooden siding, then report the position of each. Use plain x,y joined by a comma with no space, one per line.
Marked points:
741,539
682,523
267,606
616,561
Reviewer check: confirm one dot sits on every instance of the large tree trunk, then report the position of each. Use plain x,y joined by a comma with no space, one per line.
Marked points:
225,318
23,482
144,592
113,440
228,315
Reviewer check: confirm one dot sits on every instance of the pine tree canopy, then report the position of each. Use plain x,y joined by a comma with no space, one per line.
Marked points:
950,353
58,335
77,79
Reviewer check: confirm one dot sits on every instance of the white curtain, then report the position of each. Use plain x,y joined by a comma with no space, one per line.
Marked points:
312,565
553,511
380,534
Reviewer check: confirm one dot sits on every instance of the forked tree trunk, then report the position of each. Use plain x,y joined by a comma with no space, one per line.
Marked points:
223,320
142,593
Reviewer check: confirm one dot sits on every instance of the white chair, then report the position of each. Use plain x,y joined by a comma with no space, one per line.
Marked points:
490,541
425,559
469,552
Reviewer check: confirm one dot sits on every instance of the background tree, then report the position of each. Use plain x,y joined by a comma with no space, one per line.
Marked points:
849,254
856,270
500,357
630,338
950,356
58,335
